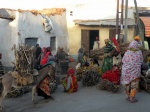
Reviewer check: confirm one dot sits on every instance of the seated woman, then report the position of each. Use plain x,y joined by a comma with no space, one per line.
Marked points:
95,65
70,82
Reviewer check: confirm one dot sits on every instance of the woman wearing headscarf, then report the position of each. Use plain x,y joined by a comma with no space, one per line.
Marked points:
70,82
131,70
46,54
108,59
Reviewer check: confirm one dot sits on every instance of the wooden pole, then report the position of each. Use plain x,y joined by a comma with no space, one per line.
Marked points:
126,17
117,19
122,6
141,32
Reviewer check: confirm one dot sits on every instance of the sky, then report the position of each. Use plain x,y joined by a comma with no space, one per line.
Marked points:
40,4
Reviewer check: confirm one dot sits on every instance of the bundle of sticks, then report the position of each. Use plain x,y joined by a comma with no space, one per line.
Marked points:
24,59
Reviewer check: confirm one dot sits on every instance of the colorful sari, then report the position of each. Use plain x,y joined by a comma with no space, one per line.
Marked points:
44,87
70,82
44,60
108,60
131,69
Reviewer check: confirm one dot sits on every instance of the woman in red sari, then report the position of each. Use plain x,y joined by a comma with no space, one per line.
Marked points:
70,82
46,53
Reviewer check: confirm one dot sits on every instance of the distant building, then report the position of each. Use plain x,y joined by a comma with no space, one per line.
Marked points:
46,27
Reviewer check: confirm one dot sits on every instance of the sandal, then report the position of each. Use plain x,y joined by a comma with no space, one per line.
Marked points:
133,100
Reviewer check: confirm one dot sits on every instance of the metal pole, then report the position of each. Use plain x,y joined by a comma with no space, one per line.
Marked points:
117,19
126,17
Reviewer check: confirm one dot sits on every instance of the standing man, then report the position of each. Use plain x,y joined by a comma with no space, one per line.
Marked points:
38,51
37,56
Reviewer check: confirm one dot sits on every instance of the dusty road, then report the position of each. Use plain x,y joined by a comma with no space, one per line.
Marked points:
87,99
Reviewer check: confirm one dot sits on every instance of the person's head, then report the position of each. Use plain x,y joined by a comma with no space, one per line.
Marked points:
80,50
37,45
48,49
137,38
133,44
61,49
70,72
83,45
44,49
107,41
97,39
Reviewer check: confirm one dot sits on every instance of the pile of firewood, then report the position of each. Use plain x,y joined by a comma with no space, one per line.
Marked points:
145,80
23,65
99,53
90,77
109,86
24,59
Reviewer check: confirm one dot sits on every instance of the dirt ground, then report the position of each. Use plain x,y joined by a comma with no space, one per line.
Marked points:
86,99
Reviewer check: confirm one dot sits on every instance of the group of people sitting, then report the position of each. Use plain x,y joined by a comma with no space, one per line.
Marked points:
43,57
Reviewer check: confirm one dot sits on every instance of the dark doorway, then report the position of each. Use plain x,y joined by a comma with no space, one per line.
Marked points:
93,35
88,37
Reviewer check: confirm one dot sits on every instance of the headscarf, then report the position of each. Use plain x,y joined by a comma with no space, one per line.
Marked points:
70,71
137,38
107,40
44,49
133,44
133,57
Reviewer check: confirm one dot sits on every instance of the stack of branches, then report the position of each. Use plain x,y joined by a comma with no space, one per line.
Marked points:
145,81
98,53
24,65
24,59
146,54
90,77
123,48
109,86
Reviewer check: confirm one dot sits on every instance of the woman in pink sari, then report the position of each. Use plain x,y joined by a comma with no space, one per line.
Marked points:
131,70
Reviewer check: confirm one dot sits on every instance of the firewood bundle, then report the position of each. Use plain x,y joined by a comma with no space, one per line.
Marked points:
109,86
90,78
123,48
145,83
146,54
97,53
24,59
